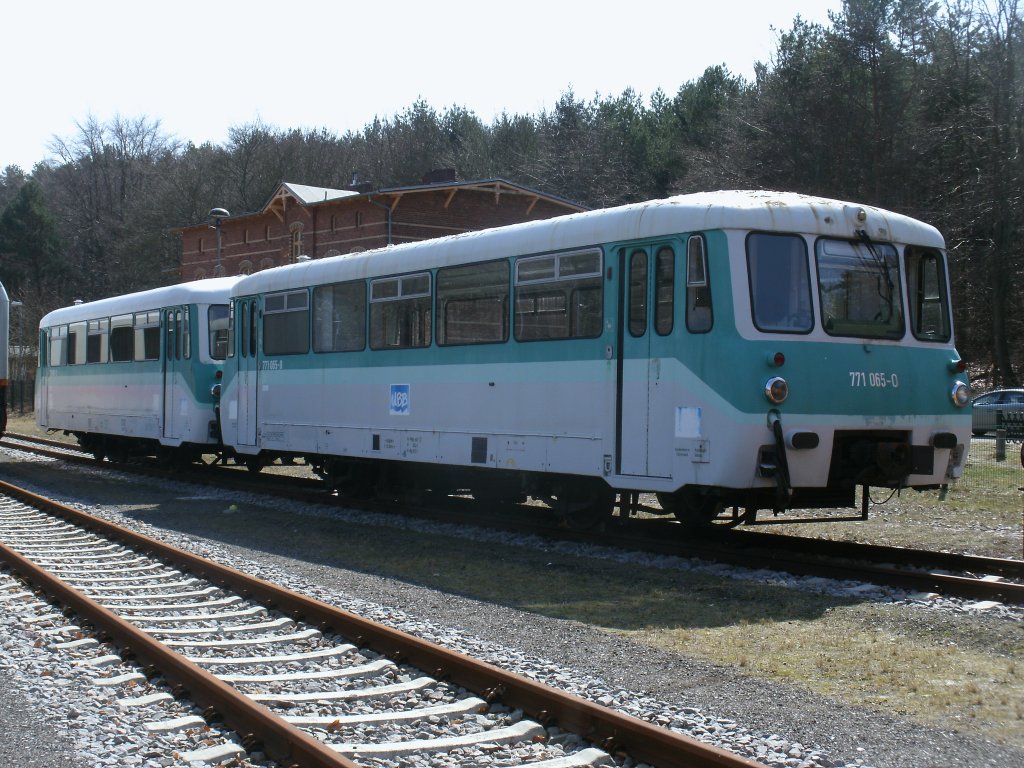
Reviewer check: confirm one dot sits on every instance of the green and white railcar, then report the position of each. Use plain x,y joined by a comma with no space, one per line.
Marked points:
753,349
133,374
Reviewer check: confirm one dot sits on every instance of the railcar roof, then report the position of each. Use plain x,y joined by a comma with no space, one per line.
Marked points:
210,291
731,210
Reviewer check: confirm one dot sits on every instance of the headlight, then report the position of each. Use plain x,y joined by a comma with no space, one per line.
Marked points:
776,390
961,394
215,391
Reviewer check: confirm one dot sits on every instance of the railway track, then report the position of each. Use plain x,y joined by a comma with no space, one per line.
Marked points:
956,575
299,680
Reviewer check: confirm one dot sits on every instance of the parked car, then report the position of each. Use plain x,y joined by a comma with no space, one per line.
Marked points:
988,405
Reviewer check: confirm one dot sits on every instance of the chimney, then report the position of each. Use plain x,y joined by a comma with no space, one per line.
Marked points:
440,176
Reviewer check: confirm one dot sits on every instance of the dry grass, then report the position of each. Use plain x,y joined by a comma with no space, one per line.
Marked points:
936,678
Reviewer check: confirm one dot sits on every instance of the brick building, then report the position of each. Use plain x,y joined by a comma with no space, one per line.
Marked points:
300,220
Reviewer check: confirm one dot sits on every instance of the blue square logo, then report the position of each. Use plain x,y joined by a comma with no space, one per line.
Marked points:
400,400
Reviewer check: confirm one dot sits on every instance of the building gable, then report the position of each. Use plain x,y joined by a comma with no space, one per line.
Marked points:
302,220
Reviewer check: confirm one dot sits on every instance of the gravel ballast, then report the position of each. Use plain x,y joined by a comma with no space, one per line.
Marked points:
778,724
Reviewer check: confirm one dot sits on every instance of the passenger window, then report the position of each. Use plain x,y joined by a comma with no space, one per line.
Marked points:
472,303
559,297
780,286
147,336
699,314
96,341
58,345
339,317
926,289
400,312
121,339
664,291
638,293
76,343
285,324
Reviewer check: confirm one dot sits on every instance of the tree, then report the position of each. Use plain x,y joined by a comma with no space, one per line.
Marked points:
32,263
12,179
103,188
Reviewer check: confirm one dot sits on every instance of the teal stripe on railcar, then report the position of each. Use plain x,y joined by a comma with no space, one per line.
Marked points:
835,378
197,377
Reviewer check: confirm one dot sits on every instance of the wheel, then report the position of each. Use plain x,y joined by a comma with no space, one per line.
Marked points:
254,464
693,507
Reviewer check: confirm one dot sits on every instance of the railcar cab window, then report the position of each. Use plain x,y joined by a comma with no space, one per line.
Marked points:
559,296
217,320
699,314
472,303
926,289
339,317
858,286
286,323
400,312
780,285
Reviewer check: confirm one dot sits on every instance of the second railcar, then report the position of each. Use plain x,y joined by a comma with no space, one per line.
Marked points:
133,374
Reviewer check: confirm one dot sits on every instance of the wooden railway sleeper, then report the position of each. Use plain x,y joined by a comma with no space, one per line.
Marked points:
642,741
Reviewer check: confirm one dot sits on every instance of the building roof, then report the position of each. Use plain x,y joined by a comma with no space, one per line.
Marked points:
287,193
303,194
496,186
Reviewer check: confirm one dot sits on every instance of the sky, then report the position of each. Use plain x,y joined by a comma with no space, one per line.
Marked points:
200,67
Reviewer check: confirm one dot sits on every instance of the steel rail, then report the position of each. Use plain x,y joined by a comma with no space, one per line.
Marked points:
790,554
257,725
878,553
611,730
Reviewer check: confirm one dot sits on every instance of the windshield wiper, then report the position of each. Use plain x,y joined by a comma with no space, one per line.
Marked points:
884,270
